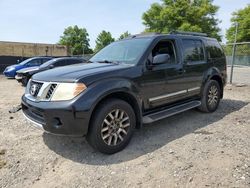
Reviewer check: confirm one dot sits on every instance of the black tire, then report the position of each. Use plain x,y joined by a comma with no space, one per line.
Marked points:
97,136
211,91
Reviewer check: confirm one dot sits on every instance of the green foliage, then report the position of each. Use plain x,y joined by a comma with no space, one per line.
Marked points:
103,39
241,50
184,15
75,38
242,17
124,35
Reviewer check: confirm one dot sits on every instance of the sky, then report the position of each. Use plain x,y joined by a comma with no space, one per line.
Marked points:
43,21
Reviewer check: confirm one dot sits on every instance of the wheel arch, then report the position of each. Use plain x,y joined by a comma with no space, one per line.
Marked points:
125,96
214,74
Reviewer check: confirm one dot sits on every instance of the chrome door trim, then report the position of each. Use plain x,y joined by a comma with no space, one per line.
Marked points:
194,89
173,94
167,95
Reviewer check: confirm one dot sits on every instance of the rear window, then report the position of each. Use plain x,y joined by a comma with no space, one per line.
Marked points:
193,50
214,50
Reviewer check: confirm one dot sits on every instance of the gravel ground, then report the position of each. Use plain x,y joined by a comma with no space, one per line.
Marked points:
191,149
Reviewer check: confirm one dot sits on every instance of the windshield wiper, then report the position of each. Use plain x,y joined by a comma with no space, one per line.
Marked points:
110,62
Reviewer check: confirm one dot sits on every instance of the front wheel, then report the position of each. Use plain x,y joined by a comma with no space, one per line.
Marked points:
210,97
112,126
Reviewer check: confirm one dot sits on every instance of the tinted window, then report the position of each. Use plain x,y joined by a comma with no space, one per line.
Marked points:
193,50
45,60
35,62
60,63
214,50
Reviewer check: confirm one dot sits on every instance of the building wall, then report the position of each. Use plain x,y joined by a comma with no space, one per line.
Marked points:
31,49
10,52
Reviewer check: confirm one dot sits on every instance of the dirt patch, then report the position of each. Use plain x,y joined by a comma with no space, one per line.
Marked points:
191,149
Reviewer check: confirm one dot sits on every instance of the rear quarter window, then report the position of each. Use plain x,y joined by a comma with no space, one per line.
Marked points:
214,50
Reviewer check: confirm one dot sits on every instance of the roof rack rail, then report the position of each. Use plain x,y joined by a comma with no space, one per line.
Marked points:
145,34
189,33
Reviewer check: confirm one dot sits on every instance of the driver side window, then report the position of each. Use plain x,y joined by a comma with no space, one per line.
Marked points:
165,47
35,62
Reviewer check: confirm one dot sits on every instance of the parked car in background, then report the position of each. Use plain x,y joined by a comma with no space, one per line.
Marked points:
10,71
24,75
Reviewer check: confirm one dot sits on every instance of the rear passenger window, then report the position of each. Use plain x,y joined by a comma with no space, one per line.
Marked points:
193,50
214,50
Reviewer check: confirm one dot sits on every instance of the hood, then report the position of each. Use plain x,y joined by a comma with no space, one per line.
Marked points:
29,69
73,73
17,66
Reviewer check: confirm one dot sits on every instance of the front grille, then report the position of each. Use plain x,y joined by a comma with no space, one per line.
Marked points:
40,91
51,91
35,88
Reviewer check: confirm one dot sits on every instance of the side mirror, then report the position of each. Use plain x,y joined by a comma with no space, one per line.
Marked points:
160,59
51,66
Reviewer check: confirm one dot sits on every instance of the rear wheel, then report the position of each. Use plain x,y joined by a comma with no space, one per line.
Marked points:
210,96
112,126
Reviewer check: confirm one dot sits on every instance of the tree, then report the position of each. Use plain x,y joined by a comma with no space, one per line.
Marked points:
184,15
103,39
76,38
124,35
242,17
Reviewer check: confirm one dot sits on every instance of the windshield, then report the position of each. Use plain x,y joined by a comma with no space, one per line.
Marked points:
126,51
48,63
26,61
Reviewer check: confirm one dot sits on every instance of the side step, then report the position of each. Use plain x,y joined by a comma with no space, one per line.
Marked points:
170,112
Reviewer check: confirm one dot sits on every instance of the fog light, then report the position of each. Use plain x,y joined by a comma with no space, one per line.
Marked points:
56,122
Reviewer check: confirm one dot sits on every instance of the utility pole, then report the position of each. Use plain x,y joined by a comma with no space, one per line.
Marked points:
83,49
233,52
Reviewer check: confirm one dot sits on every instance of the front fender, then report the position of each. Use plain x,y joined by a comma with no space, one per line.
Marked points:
96,92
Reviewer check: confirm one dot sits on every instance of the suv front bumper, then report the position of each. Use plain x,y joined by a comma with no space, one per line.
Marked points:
59,118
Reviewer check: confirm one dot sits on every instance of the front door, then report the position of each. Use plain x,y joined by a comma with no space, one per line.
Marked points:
163,83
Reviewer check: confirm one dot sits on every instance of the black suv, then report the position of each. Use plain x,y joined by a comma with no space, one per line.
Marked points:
134,81
25,74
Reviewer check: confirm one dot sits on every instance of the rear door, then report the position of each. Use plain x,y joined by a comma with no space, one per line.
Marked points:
194,64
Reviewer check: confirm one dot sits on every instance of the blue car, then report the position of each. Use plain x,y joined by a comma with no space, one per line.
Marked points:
10,71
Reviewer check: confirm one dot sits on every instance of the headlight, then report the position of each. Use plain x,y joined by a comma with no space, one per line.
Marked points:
67,91
10,69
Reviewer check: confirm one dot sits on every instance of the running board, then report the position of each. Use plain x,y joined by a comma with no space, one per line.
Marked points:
170,112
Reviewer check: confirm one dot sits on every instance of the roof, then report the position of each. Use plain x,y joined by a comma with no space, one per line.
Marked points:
173,33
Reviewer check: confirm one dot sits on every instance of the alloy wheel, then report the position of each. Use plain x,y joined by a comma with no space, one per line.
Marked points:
213,96
115,127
